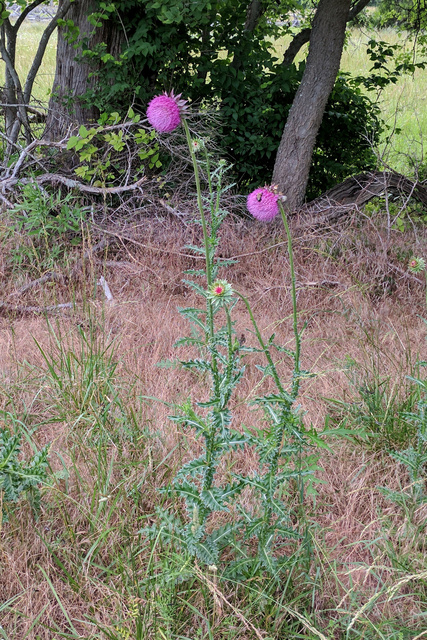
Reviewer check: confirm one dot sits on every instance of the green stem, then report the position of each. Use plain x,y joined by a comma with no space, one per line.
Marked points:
296,378
199,202
263,346
210,439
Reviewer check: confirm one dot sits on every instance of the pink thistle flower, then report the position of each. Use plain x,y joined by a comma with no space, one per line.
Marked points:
164,112
263,203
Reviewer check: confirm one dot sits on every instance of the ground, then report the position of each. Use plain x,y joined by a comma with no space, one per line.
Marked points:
364,324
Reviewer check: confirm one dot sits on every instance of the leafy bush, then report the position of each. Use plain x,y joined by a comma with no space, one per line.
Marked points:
208,56
113,149
50,224
255,107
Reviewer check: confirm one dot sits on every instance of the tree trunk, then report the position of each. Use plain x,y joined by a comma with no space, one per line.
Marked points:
301,38
72,77
293,159
17,95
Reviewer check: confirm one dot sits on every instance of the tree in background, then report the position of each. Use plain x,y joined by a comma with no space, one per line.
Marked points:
81,30
407,14
167,44
292,166
219,54
17,92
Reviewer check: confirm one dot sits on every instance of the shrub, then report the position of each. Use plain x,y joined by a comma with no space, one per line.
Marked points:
234,74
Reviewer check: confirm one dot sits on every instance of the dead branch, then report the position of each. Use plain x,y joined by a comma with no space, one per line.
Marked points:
70,183
20,310
53,178
356,191
54,276
62,144
51,276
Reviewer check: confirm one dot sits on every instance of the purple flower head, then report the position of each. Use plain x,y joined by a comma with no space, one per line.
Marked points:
164,112
263,203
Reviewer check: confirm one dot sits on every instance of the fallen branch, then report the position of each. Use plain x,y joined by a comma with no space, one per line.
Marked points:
70,183
51,276
356,191
62,144
20,310
54,276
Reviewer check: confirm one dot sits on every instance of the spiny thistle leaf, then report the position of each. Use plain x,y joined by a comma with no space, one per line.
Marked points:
194,467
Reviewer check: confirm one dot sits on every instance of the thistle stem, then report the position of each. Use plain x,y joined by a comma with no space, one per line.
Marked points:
263,345
210,438
199,202
296,376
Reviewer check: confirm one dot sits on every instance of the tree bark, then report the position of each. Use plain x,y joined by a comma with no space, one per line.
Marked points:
303,36
17,96
73,77
293,159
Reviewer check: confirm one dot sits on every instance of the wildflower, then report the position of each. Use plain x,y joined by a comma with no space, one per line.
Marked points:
416,265
263,203
164,112
197,144
220,291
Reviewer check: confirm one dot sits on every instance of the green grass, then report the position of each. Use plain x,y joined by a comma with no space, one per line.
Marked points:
403,105
28,40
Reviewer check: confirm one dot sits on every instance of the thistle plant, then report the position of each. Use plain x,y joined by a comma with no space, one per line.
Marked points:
282,444
17,477
196,483
418,265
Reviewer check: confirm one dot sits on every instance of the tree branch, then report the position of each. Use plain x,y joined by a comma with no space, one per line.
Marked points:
26,152
53,178
25,13
303,36
253,14
42,48
19,310
296,44
17,83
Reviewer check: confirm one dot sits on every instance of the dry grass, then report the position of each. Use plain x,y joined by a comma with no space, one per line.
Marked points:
73,564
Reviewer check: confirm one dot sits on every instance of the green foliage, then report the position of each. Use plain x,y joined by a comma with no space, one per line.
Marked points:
203,51
49,224
18,477
104,150
380,412
407,14
350,130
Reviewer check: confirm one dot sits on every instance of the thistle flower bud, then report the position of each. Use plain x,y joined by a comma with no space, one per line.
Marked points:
220,292
416,265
